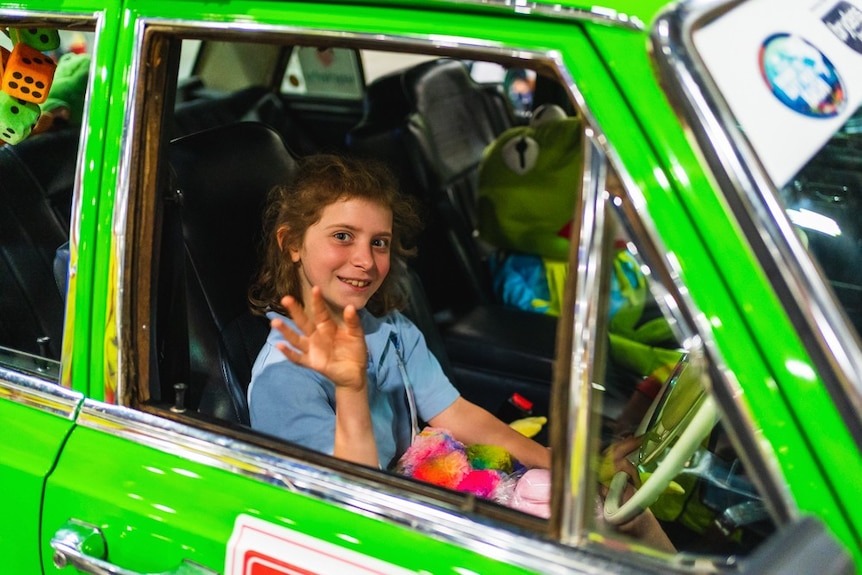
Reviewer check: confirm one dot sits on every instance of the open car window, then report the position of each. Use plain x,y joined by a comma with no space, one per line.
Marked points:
40,129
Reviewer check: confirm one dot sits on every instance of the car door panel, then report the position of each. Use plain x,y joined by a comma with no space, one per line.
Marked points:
36,418
166,494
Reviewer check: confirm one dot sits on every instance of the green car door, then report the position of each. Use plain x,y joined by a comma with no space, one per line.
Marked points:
39,416
147,489
137,453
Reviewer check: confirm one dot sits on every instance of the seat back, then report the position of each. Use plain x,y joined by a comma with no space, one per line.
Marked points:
36,182
224,175
431,124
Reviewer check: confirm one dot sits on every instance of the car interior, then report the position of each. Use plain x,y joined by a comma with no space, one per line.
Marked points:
490,350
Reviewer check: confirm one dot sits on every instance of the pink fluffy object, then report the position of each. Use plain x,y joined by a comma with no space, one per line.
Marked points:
533,493
437,457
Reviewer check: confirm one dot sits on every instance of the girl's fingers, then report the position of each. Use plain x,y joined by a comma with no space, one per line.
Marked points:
352,322
297,314
318,307
298,341
289,353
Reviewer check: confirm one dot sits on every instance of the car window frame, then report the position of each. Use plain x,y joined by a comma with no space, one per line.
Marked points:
142,214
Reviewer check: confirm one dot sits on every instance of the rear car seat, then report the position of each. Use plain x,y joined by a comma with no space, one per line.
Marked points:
36,183
252,104
223,176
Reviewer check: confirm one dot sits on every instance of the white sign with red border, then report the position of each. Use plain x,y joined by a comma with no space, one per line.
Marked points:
258,547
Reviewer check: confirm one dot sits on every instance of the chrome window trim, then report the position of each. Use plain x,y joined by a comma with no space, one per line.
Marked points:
372,499
833,345
119,218
31,391
578,503
595,14
690,323
55,19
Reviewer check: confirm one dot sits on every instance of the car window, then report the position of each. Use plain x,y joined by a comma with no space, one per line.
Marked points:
489,289
39,118
654,417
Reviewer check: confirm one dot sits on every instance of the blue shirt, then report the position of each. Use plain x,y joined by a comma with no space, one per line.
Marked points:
297,404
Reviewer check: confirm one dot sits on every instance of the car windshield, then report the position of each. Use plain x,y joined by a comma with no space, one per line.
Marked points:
823,203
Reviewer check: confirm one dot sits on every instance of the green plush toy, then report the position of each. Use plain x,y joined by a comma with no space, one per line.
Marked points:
69,88
529,180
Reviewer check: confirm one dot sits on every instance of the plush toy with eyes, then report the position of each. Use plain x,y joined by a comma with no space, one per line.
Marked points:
26,75
37,93
528,185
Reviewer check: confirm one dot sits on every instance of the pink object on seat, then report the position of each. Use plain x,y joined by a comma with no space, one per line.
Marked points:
533,493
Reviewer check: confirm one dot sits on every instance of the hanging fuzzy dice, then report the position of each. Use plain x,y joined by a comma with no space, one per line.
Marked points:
43,39
17,118
486,471
26,75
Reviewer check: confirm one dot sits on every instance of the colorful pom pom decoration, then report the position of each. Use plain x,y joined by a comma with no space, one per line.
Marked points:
486,471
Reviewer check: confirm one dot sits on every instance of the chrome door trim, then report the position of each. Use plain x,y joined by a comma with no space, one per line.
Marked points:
31,391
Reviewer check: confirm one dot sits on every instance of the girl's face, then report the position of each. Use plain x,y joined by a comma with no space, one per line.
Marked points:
346,253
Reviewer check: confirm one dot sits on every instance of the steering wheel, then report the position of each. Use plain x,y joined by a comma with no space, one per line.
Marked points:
682,412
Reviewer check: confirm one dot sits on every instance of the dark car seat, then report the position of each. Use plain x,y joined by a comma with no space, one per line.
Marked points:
36,182
252,104
223,176
431,124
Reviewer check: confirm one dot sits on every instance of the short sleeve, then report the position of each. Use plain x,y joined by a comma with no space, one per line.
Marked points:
433,390
294,404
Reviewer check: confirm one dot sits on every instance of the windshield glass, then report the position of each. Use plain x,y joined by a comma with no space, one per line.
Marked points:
823,202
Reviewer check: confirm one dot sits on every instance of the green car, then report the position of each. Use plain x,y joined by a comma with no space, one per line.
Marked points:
638,231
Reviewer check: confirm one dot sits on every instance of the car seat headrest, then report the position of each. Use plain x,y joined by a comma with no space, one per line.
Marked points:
225,175
452,113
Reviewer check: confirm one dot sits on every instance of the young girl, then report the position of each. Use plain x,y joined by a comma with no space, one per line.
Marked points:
341,365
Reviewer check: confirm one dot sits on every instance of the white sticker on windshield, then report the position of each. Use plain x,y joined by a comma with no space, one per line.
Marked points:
792,75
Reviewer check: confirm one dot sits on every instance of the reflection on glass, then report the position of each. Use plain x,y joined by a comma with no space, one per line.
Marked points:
661,443
822,201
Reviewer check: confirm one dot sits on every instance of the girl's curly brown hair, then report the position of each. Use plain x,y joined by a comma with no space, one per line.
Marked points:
321,180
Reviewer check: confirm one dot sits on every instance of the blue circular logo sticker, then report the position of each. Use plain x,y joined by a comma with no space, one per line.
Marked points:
801,77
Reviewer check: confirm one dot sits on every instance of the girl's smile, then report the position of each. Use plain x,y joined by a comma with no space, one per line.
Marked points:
346,253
